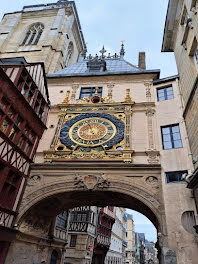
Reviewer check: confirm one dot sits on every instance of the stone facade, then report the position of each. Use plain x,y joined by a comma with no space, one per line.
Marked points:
130,239
116,253
181,36
60,43
137,171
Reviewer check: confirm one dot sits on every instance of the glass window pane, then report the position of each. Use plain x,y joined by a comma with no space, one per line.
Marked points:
167,145
177,144
173,177
165,130
175,129
85,90
167,137
170,96
176,136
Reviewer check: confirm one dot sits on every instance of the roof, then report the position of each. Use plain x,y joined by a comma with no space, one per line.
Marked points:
166,79
115,66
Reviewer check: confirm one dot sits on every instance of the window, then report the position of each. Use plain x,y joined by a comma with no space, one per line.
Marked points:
69,53
54,257
165,93
188,221
61,220
89,91
171,137
195,57
175,176
33,35
73,240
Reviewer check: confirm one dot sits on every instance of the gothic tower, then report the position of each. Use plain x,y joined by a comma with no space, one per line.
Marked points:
49,33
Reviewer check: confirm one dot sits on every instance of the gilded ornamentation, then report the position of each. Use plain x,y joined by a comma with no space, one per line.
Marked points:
91,181
128,97
66,100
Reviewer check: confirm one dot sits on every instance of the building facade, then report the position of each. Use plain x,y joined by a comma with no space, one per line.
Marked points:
116,253
181,37
130,239
106,220
116,136
21,127
49,33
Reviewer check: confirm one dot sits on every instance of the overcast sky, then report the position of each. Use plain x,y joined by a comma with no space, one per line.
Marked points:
106,22
139,22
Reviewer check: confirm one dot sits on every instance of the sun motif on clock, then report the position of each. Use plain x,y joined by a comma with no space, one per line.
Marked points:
92,130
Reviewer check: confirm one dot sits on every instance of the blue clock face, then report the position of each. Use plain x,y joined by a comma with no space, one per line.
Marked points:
92,130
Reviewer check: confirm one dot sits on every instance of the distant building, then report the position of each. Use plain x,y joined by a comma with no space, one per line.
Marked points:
130,239
106,220
140,246
115,254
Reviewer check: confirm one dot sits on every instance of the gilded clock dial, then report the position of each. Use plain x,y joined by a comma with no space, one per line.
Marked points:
92,131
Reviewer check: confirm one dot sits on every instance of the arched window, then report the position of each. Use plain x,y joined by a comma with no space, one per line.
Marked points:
188,221
33,35
54,257
69,53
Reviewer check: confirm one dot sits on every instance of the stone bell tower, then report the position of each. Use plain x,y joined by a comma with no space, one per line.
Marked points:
49,33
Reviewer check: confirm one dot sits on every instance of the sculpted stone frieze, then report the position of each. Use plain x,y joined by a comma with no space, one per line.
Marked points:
91,181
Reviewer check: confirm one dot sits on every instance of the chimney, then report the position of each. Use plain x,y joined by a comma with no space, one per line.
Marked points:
142,61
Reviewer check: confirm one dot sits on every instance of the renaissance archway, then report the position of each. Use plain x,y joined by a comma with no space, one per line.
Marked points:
52,189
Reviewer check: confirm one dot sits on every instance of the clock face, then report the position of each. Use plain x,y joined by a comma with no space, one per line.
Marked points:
92,130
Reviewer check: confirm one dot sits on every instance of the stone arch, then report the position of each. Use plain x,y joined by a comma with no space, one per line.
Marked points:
125,195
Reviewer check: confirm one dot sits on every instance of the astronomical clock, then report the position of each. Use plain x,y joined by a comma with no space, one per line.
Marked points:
92,130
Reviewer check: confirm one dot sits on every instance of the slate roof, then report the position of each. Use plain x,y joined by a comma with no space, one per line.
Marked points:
115,66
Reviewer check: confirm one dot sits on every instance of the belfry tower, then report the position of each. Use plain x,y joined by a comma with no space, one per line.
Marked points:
49,33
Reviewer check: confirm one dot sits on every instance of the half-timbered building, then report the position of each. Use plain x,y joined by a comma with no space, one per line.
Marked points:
24,106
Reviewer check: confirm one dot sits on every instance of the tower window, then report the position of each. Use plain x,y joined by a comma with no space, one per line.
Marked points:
89,91
188,221
33,35
171,137
165,93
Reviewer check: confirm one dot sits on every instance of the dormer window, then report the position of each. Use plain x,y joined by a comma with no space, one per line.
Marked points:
33,35
96,64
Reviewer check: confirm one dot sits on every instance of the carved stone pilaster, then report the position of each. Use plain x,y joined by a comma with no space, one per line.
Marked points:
148,91
128,113
110,90
54,139
150,113
74,90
